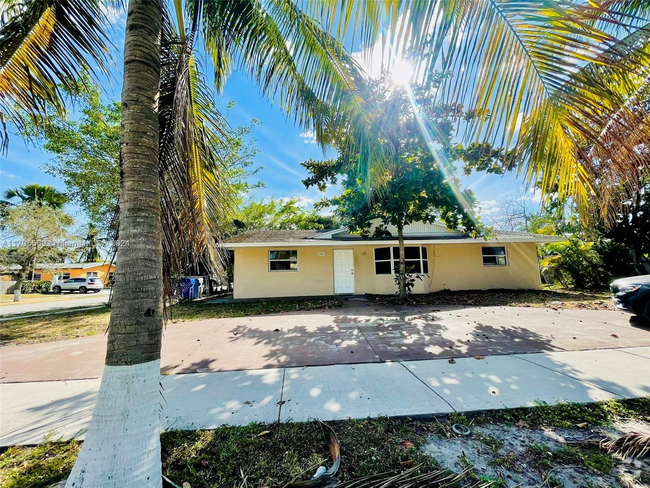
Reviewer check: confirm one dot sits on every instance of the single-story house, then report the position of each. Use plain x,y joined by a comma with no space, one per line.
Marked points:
294,263
64,271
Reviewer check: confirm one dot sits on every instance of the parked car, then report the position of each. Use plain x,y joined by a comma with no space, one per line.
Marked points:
632,295
82,285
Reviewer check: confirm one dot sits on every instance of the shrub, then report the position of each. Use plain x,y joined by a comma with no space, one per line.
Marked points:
44,286
575,264
27,287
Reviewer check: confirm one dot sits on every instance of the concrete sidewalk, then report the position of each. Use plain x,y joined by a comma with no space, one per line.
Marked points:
29,411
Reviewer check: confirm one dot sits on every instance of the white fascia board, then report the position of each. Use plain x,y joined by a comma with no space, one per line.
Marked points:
420,242
328,235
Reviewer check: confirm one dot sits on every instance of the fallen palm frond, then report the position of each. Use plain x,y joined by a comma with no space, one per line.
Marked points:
412,477
324,477
633,444
440,478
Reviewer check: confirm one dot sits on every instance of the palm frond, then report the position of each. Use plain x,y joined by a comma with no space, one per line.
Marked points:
294,61
44,43
632,444
591,146
195,194
521,64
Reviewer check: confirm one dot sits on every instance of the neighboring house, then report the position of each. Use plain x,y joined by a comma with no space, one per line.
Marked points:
63,271
288,263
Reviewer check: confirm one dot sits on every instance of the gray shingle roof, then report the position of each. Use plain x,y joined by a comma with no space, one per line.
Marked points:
268,236
271,236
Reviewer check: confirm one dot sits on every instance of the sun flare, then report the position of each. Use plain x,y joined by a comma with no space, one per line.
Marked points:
402,72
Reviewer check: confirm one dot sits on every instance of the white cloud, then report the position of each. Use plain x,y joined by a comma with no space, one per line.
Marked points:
304,202
286,167
534,195
308,137
115,16
4,174
520,120
301,201
489,207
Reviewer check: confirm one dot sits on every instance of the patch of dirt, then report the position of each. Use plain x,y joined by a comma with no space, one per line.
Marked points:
554,299
537,458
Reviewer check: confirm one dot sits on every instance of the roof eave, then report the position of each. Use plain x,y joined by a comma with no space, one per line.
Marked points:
369,242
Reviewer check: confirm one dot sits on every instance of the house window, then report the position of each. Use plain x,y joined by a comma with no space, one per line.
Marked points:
65,276
387,260
494,256
111,276
36,277
283,260
91,274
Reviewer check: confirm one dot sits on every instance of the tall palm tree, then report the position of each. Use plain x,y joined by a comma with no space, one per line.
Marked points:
44,194
165,135
285,50
90,251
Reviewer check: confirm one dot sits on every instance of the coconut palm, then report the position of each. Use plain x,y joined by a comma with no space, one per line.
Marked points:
296,62
166,140
44,194
92,242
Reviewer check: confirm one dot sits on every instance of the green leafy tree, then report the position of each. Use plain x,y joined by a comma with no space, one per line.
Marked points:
416,181
86,150
624,244
43,194
34,233
283,214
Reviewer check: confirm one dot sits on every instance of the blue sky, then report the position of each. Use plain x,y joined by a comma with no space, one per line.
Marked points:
282,145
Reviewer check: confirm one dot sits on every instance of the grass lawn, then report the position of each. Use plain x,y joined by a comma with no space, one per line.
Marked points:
273,455
73,324
7,300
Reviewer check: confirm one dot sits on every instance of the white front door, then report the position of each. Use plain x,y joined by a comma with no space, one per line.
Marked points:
343,271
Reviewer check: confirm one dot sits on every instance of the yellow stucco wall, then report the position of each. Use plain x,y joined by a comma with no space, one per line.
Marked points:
460,267
101,269
315,275
451,266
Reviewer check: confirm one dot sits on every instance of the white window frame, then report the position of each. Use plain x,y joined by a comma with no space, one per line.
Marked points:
111,276
34,275
288,260
496,265
63,278
91,274
395,261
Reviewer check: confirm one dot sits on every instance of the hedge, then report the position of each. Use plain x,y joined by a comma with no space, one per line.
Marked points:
44,286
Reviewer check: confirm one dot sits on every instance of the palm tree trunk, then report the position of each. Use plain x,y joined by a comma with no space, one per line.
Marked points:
20,277
122,446
402,264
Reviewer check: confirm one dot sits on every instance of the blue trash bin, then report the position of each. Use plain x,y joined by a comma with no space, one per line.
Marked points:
196,287
188,288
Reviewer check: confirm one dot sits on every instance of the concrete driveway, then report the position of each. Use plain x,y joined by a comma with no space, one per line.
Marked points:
58,302
361,332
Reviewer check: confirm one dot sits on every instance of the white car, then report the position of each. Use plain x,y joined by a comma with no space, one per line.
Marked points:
82,285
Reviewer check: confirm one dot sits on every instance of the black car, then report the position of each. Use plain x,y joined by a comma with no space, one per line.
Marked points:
632,295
